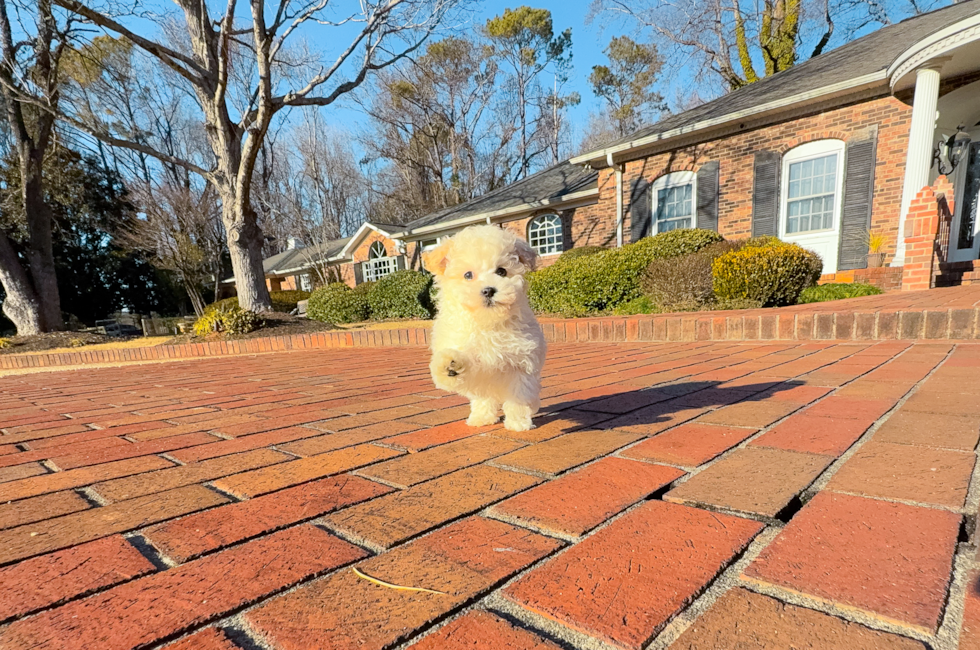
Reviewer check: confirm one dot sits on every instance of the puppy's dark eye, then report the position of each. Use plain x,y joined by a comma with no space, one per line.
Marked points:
501,271
468,275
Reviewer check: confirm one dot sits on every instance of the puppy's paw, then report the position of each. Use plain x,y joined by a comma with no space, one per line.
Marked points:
518,423
446,365
481,420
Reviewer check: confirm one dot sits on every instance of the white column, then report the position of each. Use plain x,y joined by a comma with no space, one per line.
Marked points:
922,141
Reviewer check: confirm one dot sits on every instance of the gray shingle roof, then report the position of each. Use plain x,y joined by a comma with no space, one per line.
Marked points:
862,56
563,178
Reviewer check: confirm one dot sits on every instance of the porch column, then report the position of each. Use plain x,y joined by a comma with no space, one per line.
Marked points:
918,160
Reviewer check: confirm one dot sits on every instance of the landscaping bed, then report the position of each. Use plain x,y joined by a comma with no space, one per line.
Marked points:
55,341
275,324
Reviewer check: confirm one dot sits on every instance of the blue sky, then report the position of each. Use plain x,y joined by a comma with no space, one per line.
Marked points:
589,38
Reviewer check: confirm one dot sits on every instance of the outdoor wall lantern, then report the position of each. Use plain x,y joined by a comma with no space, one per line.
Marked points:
951,151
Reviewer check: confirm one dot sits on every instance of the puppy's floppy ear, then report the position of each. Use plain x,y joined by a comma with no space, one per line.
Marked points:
435,261
525,254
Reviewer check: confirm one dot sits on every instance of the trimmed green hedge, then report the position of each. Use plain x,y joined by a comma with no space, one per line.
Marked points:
338,303
770,272
403,294
603,280
837,291
581,251
282,301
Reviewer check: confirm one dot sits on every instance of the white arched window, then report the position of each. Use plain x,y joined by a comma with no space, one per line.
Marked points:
377,251
673,201
810,198
544,234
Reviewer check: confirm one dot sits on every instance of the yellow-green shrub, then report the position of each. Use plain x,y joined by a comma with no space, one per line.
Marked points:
770,272
227,318
338,303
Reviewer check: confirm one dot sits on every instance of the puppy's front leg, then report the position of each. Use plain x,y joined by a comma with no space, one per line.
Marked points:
483,412
522,403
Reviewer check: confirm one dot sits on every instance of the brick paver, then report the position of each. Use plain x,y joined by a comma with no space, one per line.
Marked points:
348,610
754,480
625,582
482,631
888,558
742,620
583,499
214,504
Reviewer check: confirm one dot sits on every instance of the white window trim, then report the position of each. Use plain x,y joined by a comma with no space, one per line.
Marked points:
426,249
802,153
561,226
674,179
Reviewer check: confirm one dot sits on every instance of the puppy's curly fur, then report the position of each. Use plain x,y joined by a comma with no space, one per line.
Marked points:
486,344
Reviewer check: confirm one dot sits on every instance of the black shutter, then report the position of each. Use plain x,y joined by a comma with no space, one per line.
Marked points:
358,273
859,184
708,196
765,194
641,209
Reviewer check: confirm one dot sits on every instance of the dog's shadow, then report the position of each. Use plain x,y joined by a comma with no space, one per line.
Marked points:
656,405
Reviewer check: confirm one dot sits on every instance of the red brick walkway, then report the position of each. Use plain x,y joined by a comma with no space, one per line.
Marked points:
681,495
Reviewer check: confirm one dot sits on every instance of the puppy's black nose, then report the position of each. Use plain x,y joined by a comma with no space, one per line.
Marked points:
488,292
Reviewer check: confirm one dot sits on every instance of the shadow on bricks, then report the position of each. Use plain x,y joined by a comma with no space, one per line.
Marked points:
651,410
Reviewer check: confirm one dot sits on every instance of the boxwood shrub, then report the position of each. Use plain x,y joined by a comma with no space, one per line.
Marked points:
337,303
581,251
282,301
603,280
770,272
403,294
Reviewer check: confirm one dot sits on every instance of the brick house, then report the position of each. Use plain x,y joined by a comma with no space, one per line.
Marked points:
820,155
369,254
881,135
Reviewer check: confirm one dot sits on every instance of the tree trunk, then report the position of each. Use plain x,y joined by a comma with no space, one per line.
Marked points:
197,302
245,248
40,251
21,304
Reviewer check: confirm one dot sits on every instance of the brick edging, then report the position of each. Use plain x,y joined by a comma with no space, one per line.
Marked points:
414,336
956,324
846,325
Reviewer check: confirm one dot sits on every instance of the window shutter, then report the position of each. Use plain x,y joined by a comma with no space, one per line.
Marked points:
859,183
708,195
358,273
641,209
400,262
765,194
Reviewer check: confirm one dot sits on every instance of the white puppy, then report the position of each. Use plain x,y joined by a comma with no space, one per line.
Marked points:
486,344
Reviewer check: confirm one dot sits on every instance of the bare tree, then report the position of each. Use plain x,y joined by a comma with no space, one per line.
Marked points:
30,84
434,121
242,76
180,232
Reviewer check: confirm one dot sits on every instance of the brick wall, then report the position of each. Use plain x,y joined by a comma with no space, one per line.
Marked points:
736,155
